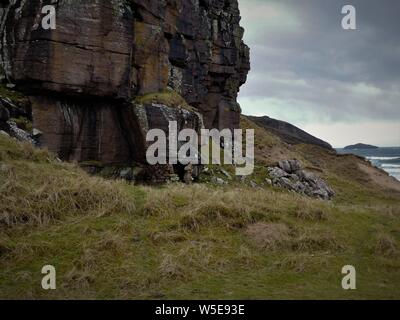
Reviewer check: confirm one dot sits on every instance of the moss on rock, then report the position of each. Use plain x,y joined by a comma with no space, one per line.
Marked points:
169,98
13,95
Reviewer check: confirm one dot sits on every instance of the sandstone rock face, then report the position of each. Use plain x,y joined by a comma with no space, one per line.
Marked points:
82,76
88,130
88,54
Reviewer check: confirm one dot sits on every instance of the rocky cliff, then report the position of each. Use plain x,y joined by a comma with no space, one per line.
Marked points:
84,79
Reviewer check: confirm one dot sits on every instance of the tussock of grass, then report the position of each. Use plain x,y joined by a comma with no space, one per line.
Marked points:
269,236
274,236
386,245
311,242
310,213
296,263
173,236
36,189
171,267
220,214
12,150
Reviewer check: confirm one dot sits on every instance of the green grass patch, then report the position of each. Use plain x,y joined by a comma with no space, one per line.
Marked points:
169,98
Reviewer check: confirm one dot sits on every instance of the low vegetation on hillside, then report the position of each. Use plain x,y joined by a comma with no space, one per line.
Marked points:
109,239
167,97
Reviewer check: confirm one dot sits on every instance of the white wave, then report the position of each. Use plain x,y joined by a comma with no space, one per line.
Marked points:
397,176
394,173
389,165
383,158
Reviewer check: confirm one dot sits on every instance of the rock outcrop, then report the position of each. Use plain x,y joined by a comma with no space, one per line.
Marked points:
288,132
9,113
83,77
290,175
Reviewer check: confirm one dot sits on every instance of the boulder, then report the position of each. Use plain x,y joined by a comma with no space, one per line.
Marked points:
36,133
295,165
277,173
268,181
299,187
285,166
126,174
19,134
286,183
174,178
218,181
226,173
290,166
253,184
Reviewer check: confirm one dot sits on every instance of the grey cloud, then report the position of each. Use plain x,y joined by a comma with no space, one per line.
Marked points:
305,57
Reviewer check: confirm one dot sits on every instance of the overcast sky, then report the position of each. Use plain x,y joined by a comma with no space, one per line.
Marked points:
340,85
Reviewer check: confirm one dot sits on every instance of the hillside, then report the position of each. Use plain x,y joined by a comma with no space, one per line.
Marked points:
288,132
110,239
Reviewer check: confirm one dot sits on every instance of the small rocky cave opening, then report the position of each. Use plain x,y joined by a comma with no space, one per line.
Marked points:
179,170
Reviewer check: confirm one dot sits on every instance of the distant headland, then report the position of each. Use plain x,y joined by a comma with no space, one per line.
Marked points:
360,146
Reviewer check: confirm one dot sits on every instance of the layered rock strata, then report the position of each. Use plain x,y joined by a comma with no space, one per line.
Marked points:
83,77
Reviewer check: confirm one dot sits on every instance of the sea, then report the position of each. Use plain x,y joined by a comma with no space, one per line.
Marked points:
387,159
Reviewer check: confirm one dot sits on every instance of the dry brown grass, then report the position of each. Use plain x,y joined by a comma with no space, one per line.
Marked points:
386,245
274,236
269,149
269,236
36,189
171,266
163,201
311,241
13,150
199,206
313,215
169,98
271,220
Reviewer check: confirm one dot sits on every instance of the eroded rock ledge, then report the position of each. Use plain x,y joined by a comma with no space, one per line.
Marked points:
83,77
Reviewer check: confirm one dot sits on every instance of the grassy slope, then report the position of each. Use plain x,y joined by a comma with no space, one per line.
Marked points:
112,240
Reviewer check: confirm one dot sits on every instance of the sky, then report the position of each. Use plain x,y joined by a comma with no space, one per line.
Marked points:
342,86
